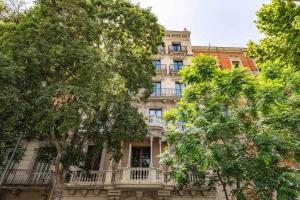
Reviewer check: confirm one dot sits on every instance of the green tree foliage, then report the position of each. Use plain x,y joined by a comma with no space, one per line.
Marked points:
78,62
11,80
278,57
225,131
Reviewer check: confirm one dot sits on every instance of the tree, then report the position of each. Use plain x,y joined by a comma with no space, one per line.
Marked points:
225,132
82,62
278,57
11,77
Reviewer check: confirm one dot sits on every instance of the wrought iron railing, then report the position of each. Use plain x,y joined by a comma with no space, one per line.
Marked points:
175,67
27,177
161,50
161,68
179,49
166,92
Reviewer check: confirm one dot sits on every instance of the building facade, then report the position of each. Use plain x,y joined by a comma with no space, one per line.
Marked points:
139,174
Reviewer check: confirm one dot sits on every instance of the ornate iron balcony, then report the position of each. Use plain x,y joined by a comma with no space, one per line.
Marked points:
27,177
166,92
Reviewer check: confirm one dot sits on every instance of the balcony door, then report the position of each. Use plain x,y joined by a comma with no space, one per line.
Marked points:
179,87
177,65
140,157
176,47
155,112
157,64
93,158
156,89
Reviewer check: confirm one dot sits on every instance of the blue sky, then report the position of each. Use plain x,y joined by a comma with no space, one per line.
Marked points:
218,22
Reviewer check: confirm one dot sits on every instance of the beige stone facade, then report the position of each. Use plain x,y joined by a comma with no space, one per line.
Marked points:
139,175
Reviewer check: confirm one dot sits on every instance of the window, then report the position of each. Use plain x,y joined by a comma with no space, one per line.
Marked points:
93,158
155,112
157,65
179,87
235,63
177,65
140,157
156,89
176,47
161,47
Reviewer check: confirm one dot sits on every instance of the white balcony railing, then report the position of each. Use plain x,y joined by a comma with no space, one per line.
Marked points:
154,120
125,176
139,175
87,178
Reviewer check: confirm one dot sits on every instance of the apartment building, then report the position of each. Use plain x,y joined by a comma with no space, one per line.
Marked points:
139,174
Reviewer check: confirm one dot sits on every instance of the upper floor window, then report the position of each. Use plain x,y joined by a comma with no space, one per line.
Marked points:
157,64
177,65
179,87
161,47
176,47
155,112
156,89
93,158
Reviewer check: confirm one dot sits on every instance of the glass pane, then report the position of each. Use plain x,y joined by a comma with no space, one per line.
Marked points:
157,64
157,89
152,112
156,112
146,160
178,64
135,160
176,47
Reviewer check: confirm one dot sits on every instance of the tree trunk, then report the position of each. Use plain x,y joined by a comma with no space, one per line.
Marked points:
238,185
58,186
58,178
223,184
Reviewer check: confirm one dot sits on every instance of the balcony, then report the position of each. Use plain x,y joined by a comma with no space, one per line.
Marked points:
27,177
154,120
176,49
139,177
86,178
161,50
166,92
175,68
161,68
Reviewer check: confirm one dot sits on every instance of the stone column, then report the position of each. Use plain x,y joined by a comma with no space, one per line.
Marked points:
120,162
103,156
109,173
160,142
129,156
151,151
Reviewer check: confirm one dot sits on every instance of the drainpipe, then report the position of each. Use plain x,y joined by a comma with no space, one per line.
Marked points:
7,167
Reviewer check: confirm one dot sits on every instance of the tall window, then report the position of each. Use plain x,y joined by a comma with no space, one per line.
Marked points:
176,47
179,87
93,158
156,89
157,65
177,65
140,157
155,112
